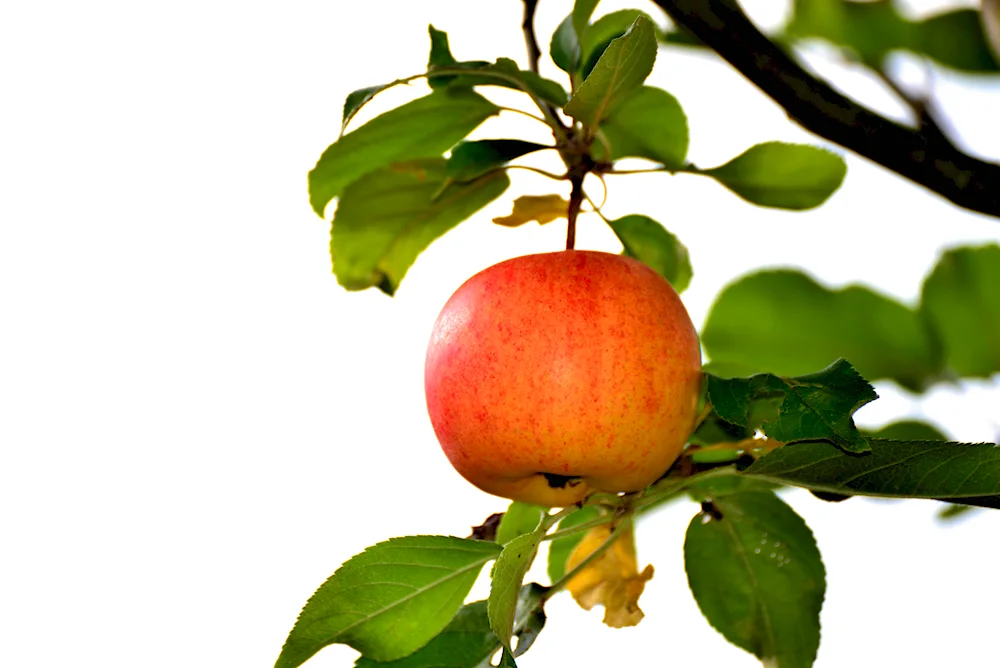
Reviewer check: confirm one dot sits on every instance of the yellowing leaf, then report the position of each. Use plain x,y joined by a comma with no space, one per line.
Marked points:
543,208
612,579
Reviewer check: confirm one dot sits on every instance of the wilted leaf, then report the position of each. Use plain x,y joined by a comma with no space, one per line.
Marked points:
560,548
961,299
423,128
647,241
386,218
817,406
785,323
756,573
649,123
474,158
785,176
622,68
507,576
543,208
612,579
390,600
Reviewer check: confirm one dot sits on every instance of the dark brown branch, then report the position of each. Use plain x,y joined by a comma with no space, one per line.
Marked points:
528,26
575,202
923,155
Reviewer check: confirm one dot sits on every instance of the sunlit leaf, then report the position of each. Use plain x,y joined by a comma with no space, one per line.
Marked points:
784,176
520,518
543,208
507,576
622,68
390,600
423,128
810,407
386,218
468,641
785,323
595,38
756,573
647,241
649,123
612,579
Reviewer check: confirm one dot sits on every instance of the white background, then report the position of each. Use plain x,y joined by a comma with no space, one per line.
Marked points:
198,425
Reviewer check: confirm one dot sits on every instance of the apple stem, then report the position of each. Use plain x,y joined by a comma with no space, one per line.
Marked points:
575,202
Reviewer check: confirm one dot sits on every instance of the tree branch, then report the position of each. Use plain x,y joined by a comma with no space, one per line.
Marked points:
923,155
528,26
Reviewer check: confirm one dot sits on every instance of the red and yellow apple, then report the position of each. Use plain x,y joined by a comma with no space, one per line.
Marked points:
551,376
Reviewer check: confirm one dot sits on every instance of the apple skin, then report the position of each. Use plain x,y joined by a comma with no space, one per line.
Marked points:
577,364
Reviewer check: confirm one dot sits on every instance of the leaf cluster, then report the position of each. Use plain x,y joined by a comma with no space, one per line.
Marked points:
410,174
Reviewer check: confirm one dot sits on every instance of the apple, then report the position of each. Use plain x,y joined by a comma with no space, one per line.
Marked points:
552,376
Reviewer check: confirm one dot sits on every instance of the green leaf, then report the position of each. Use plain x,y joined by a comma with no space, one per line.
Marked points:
386,218
961,299
622,68
390,600
595,38
507,575
907,430
560,548
784,176
714,429
953,511
868,30
468,641
565,46
505,73
647,241
440,56
582,11
649,123
966,473
520,518
785,323
506,659
358,99
758,578
423,128
474,158
815,406
956,39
